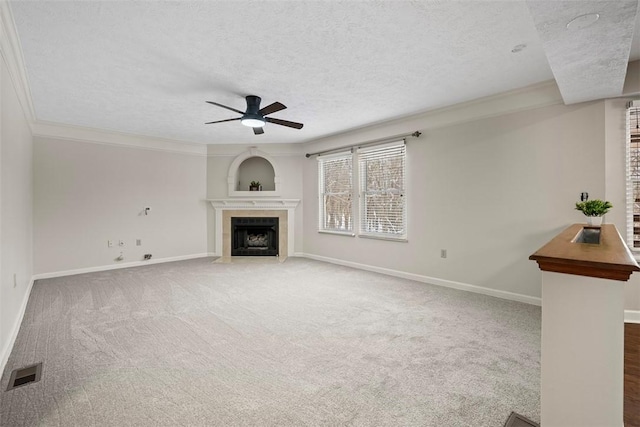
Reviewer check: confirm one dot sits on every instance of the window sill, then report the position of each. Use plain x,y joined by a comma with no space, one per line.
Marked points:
367,236
338,233
382,237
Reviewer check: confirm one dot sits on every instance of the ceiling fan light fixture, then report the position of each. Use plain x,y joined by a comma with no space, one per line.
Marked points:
253,122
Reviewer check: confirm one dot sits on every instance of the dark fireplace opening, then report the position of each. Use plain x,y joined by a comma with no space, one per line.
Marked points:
254,236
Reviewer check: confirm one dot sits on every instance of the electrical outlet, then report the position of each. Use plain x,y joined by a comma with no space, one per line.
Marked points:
138,242
15,280
443,253
120,242
110,243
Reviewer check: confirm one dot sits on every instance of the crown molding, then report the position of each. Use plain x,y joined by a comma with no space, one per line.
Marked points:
527,98
534,96
276,150
264,148
11,53
285,154
99,136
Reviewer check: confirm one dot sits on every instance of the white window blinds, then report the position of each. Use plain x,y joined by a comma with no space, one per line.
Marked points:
633,177
336,192
382,190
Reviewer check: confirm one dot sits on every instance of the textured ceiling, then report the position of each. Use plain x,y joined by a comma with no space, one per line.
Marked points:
147,68
593,70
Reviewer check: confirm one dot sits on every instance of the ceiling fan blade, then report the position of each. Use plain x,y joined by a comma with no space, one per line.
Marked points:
220,121
284,123
258,131
272,108
224,106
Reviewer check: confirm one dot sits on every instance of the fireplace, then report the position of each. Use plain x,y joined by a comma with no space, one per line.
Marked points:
254,236
283,209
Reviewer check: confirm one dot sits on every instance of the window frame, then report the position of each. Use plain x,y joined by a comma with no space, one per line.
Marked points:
322,220
630,181
358,196
371,154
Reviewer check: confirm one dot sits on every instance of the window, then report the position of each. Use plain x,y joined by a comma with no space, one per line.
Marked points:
633,177
380,210
382,201
336,191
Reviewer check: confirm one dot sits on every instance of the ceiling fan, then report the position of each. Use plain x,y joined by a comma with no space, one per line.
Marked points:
255,116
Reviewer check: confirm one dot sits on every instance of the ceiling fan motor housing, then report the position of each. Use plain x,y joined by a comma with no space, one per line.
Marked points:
253,104
253,109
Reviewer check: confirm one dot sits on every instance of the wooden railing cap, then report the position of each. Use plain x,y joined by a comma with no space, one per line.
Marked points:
611,259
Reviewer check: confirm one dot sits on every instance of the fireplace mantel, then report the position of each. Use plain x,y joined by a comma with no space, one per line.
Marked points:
254,203
223,208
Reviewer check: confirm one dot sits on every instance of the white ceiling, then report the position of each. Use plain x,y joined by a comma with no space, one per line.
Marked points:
147,68
591,62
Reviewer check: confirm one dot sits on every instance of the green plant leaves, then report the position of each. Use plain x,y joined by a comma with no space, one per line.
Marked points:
594,207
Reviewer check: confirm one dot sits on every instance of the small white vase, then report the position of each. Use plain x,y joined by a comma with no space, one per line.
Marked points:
594,221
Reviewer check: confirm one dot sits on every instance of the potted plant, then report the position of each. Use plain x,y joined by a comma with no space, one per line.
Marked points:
255,186
593,210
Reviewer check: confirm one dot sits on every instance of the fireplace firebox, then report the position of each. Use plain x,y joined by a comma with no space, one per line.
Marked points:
254,236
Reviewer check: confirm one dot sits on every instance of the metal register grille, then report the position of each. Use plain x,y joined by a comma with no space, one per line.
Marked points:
23,376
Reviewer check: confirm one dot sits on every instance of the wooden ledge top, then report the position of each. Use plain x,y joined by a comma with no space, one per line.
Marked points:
611,259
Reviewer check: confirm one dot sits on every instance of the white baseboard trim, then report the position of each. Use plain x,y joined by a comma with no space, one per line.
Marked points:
631,316
118,266
8,346
432,280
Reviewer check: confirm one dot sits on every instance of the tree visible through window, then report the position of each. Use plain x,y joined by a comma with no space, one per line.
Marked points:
382,200
381,209
336,193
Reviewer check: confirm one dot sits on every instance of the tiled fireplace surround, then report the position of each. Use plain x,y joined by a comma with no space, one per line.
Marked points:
254,204
283,209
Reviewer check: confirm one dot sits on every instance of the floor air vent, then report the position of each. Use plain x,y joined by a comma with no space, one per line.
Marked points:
517,420
24,376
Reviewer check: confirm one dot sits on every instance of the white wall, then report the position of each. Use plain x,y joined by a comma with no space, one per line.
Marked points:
86,194
16,229
491,191
289,162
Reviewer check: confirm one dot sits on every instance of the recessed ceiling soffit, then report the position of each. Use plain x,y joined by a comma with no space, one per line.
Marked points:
587,44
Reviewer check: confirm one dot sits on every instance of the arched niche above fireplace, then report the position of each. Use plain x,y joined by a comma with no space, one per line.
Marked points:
253,165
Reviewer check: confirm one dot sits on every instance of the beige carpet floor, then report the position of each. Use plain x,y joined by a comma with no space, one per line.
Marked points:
299,343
